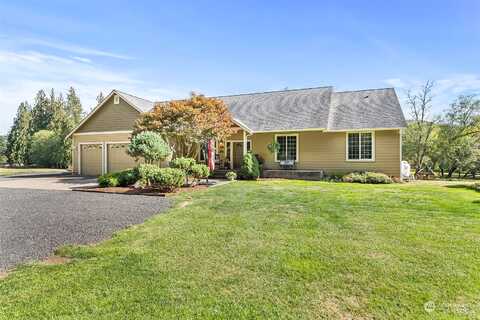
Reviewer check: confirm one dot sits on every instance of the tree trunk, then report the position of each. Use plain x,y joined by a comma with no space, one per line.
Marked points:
451,171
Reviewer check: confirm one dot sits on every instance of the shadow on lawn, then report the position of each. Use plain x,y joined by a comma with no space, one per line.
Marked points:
474,187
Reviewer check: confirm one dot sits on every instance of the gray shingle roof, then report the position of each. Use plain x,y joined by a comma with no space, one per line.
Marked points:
143,104
317,108
311,108
375,108
282,110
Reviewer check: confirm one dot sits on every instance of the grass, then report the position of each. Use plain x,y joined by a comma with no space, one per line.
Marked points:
17,171
273,250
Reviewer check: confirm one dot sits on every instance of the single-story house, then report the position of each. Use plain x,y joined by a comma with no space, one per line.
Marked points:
317,130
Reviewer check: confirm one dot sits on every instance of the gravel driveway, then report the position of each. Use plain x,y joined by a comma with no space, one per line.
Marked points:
34,222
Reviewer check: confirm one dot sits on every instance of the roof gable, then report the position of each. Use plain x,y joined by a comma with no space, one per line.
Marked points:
138,104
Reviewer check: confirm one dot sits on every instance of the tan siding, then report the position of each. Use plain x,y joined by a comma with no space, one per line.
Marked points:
236,136
326,151
111,117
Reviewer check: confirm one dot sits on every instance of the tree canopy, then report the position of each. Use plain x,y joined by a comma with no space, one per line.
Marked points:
185,124
51,113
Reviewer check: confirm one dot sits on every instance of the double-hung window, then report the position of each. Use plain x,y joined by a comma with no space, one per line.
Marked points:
288,147
360,146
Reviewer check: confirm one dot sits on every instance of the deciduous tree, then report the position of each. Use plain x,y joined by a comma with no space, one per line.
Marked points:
186,124
418,135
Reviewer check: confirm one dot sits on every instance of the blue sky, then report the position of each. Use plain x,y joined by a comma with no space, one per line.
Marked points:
162,50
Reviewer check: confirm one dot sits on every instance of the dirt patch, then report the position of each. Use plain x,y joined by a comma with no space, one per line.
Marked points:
3,275
144,192
55,260
184,204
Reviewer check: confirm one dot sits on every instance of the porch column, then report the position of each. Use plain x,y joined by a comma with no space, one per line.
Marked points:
244,142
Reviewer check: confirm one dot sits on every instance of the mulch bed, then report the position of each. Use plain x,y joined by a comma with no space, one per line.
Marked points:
144,192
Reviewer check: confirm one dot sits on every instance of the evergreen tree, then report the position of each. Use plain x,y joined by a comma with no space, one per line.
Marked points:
18,140
73,106
61,126
100,97
3,149
41,113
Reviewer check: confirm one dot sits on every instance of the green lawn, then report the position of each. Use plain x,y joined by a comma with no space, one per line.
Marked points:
273,249
16,171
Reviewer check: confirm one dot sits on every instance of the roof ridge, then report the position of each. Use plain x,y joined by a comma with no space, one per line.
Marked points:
132,95
272,91
361,90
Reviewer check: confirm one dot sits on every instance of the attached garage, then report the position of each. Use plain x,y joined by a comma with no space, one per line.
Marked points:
117,157
100,141
91,156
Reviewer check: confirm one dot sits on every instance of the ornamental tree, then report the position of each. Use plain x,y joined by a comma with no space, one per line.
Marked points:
186,124
150,146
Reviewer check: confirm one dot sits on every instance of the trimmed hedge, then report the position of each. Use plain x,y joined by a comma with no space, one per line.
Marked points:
184,164
108,180
118,179
200,171
367,177
165,179
169,179
250,169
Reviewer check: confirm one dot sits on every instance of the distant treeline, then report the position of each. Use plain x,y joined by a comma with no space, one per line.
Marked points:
37,136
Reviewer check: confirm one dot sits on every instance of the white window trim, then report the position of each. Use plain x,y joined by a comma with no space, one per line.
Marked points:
116,99
360,147
93,133
297,144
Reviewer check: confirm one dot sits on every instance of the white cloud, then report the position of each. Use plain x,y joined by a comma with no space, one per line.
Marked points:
73,48
82,59
24,73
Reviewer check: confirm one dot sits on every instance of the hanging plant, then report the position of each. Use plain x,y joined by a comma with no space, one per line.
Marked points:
273,147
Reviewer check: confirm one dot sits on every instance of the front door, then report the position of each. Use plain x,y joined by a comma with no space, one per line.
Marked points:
237,154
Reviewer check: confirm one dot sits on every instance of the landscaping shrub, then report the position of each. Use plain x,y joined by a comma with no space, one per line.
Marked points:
168,179
367,177
149,146
118,179
146,174
375,177
250,169
165,179
200,171
185,164
128,177
354,177
108,180
231,175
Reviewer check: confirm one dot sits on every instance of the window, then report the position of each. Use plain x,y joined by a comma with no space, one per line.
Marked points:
116,99
288,147
360,146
